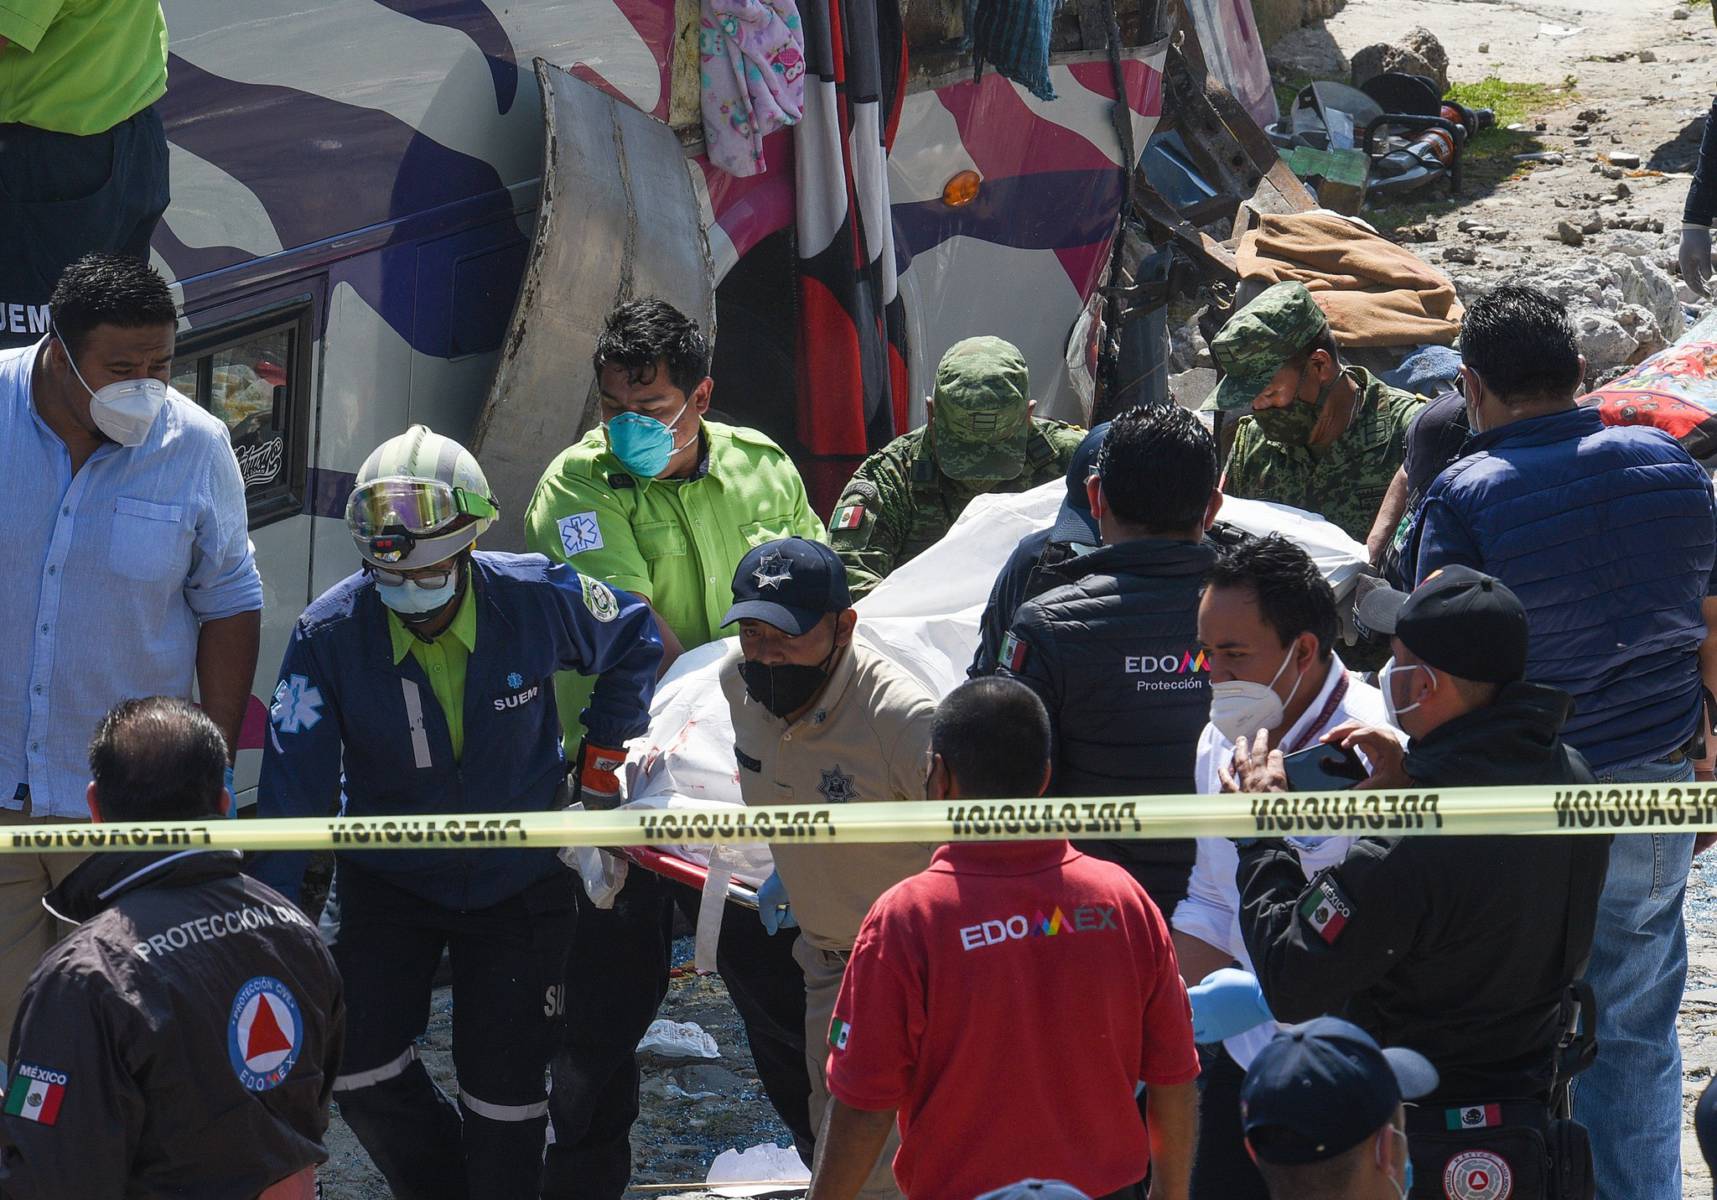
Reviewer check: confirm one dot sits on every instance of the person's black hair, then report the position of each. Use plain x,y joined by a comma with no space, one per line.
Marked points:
1293,595
1520,342
1158,467
993,736
109,289
157,759
639,334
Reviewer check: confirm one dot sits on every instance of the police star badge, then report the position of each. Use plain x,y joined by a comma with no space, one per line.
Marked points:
837,786
773,570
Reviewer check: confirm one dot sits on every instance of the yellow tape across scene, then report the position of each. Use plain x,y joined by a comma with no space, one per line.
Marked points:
1641,808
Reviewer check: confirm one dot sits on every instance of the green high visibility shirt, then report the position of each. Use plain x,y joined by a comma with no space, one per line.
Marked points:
443,659
675,542
80,66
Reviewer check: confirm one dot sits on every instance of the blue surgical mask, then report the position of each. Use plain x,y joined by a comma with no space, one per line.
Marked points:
411,598
643,444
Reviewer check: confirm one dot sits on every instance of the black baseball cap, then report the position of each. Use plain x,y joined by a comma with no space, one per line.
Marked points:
1458,620
1322,1087
790,584
1074,523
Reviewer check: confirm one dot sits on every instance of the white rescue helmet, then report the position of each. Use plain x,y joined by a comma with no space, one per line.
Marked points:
419,499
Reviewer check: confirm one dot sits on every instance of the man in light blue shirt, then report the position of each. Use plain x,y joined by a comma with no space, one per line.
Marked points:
130,570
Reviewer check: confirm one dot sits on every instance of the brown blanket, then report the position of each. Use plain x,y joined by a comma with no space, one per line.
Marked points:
1374,292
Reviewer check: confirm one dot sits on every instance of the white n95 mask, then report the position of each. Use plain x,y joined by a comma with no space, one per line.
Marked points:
124,410
1240,708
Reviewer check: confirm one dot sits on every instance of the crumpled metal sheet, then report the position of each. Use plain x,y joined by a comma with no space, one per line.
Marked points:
618,219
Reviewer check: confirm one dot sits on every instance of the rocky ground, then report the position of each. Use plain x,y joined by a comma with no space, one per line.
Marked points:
1607,99
1621,101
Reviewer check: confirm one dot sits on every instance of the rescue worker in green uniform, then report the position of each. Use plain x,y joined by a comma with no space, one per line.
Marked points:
980,438
663,503
1320,435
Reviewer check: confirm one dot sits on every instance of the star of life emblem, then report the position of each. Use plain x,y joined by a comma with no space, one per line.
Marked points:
773,570
296,705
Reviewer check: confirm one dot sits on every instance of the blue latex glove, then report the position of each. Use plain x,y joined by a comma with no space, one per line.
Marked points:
772,906
232,806
1225,1003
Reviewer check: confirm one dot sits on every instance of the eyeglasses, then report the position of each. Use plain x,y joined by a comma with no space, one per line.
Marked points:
429,577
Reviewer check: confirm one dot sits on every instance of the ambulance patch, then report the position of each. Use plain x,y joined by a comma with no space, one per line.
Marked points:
1477,1175
264,1033
36,1094
1013,653
599,598
296,705
579,532
1326,910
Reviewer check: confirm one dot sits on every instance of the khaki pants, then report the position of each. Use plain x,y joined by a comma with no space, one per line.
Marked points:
823,970
27,930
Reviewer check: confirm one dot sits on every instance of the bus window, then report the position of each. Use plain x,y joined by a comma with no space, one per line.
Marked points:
254,376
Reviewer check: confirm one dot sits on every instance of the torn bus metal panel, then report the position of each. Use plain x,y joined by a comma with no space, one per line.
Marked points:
618,218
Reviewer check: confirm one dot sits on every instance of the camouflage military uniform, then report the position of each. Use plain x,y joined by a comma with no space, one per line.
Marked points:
1343,481
899,503
981,438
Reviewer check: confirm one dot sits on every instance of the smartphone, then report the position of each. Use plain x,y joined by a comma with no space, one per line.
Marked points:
1323,768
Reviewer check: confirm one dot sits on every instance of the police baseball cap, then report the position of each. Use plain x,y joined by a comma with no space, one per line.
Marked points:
790,584
1036,1189
1259,340
982,419
1074,523
1322,1087
1458,620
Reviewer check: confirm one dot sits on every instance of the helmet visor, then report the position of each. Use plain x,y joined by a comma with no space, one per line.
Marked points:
414,506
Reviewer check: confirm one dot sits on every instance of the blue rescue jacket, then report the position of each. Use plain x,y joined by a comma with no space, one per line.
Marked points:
1607,535
349,726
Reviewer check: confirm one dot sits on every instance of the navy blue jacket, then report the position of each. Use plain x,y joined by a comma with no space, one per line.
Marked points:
348,725
1607,535
1113,654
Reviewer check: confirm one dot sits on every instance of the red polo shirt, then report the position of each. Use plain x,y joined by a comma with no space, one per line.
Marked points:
1006,1001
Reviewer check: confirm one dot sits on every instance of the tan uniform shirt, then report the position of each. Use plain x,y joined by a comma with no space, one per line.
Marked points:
864,740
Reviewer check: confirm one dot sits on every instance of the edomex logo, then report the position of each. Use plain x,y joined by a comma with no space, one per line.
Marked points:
1189,662
1087,918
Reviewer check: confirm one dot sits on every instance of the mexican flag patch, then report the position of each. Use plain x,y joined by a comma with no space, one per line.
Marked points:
1013,653
1474,1116
35,1094
850,517
839,1031
1326,910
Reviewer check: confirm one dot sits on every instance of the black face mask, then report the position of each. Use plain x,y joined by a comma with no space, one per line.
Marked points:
786,688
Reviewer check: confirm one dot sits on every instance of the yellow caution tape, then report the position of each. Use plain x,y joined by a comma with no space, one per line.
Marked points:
1643,808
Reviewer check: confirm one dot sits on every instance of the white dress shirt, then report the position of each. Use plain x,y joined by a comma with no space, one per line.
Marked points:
1211,910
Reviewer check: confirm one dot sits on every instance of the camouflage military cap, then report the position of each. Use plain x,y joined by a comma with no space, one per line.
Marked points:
1259,339
982,418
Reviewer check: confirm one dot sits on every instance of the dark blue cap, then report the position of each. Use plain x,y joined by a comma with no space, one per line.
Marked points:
1322,1087
1074,523
790,584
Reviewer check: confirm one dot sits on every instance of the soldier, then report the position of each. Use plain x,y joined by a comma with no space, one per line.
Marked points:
980,437
1320,435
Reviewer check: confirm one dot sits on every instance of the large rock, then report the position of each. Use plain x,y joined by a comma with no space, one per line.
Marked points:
1417,53
1277,18
1623,307
1424,43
